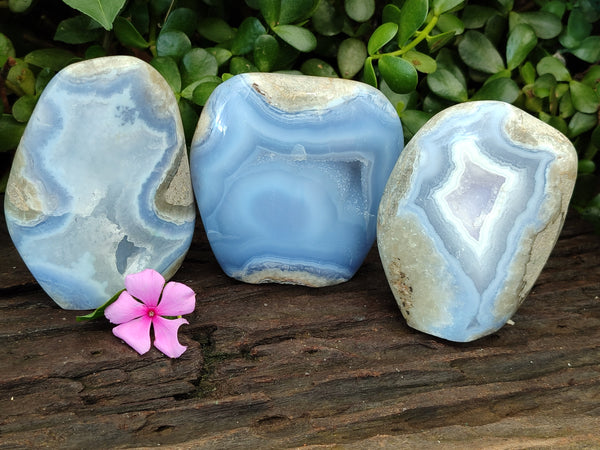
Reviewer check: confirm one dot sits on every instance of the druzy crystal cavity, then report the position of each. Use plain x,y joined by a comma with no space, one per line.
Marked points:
470,215
288,172
100,184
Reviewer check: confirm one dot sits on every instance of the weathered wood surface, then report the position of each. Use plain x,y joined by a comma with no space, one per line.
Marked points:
275,366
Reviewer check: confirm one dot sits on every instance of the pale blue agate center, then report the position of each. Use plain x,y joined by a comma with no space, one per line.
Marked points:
475,195
292,189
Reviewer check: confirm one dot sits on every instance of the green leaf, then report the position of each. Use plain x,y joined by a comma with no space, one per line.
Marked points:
351,57
167,67
21,79
444,83
555,121
479,53
476,16
293,11
318,67
556,7
441,6
359,10
565,106
439,40
7,50
369,76
53,58
434,104
102,11
580,123
298,37
243,42
19,6
521,41
527,72
584,98
215,30
449,22
544,85
203,91
78,30
328,18
160,7
400,75
42,80
550,64
239,65
501,89
447,59
222,55
506,5
586,166
197,64
578,27
270,10
382,35
23,108
181,19
189,119
266,49
588,50
413,15
545,25
139,14
99,312
412,121
10,132
128,35
422,62
173,43
95,51
188,91
592,76
391,13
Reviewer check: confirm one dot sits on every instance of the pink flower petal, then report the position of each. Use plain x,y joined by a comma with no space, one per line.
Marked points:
136,333
145,286
124,309
165,334
177,299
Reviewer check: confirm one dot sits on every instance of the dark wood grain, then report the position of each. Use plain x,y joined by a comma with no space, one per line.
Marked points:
274,366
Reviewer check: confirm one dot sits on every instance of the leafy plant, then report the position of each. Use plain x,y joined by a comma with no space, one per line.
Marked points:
423,55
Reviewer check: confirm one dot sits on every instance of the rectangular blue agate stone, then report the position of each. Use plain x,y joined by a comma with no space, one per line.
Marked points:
288,172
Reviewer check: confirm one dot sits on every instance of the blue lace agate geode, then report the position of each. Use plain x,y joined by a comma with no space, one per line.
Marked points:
470,215
288,172
100,183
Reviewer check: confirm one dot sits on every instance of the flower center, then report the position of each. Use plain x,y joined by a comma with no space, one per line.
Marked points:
151,313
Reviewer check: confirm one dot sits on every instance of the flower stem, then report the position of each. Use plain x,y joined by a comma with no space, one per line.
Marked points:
412,44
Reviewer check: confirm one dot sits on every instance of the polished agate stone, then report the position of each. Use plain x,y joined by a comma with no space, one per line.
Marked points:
470,215
288,172
100,184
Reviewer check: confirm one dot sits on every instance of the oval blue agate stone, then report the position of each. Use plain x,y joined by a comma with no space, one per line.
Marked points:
288,172
100,184
470,215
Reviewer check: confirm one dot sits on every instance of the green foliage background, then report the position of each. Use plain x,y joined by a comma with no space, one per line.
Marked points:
541,55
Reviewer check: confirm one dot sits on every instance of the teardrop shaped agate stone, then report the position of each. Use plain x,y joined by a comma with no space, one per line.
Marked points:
470,215
100,184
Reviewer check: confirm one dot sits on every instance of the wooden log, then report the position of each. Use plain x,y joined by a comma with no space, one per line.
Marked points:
274,366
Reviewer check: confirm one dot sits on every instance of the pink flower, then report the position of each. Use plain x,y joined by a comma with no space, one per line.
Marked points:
145,303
